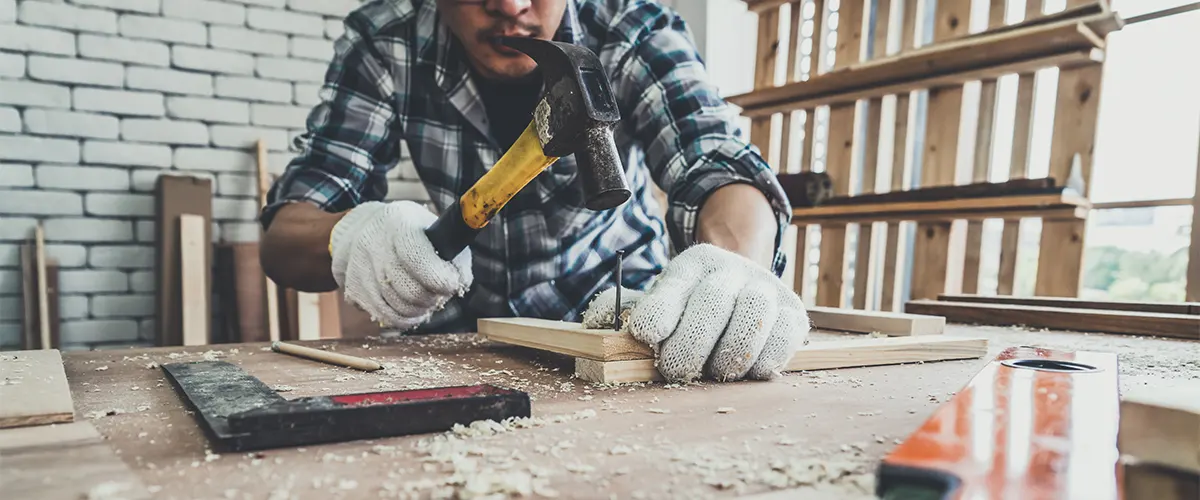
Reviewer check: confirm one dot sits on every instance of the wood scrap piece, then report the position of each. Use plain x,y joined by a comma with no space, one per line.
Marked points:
81,464
330,306
42,298
1161,426
33,389
815,356
176,195
308,316
38,310
888,323
564,337
1073,303
193,279
1081,320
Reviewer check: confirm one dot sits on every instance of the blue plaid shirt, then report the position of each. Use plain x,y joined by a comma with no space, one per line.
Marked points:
400,75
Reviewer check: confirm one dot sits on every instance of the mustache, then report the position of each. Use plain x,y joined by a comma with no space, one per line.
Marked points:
498,30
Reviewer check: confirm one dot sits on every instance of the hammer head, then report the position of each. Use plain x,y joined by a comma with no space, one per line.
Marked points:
576,115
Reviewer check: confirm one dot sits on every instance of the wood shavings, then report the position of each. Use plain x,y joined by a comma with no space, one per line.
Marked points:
151,365
785,441
726,409
103,413
657,410
142,408
877,335
866,414
585,398
110,490
345,378
176,355
283,388
102,368
879,439
578,468
620,450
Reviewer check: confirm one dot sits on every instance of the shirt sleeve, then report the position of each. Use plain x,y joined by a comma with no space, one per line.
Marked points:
689,134
350,142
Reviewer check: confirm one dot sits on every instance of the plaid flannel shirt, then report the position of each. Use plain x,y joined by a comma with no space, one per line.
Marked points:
400,75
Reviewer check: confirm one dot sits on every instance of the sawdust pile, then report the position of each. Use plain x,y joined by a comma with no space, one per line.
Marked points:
742,472
459,464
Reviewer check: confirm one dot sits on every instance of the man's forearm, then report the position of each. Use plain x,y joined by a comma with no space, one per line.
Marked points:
739,218
295,250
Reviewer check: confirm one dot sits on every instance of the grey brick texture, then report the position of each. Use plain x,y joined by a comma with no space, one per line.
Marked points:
98,98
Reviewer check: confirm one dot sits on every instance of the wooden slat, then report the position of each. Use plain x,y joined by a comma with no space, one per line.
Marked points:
271,291
864,261
795,20
308,316
808,141
966,208
893,251
968,54
766,58
330,305
42,298
1060,258
564,337
891,324
59,434
762,5
34,389
1112,305
1161,426
1083,320
839,154
1162,202
193,280
815,356
1193,270
981,164
939,248
176,195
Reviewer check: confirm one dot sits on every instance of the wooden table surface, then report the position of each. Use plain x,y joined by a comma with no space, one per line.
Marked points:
588,441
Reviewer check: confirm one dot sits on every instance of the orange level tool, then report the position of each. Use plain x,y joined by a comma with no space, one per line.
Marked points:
1033,424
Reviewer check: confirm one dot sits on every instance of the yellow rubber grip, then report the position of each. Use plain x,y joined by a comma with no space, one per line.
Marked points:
523,161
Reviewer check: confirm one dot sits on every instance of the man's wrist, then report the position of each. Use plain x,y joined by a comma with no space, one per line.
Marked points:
738,218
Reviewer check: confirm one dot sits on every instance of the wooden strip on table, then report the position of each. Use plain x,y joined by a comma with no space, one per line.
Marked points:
64,461
891,324
176,195
839,149
1111,305
35,389
815,356
564,337
1161,426
193,279
1081,320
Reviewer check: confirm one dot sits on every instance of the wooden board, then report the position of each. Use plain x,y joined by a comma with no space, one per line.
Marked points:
1161,426
1068,206
271,292
308,316
34,389
1112,305
766,59
32,305
1082,320
815,356
564,338
193,279
977,55
866,266
64,461
330,310
1193,269
174,196
888,323
893,251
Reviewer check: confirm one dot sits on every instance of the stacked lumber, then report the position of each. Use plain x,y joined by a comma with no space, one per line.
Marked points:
1179,320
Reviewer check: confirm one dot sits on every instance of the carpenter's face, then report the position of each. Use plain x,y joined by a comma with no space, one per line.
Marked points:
478,22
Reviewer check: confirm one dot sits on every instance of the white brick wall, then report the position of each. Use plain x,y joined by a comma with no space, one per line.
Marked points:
98,98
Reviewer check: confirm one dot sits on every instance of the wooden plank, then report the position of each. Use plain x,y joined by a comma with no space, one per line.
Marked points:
988,206
176,195
865,265
1193,269
943,58
1152,307
564,337
43,301
839,145
193,280
1161,426
65,461
893,251
330,311
1083,320
1061,212
795,20
1070,59
808,141
815,356
272,294
35,389
891,324
766,58
308,316
1017,187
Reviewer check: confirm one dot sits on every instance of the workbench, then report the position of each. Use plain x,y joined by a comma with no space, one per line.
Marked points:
586,441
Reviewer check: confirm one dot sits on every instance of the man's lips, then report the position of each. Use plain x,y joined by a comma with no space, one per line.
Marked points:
498,45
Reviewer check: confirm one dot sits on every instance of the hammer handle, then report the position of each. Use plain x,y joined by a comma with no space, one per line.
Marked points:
450,234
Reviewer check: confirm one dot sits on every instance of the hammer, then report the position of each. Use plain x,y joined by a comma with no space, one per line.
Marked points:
575,115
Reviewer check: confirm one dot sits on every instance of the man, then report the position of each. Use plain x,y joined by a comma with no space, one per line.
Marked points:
431,74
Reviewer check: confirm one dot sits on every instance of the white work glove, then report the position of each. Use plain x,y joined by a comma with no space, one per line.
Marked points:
711,312
388,268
